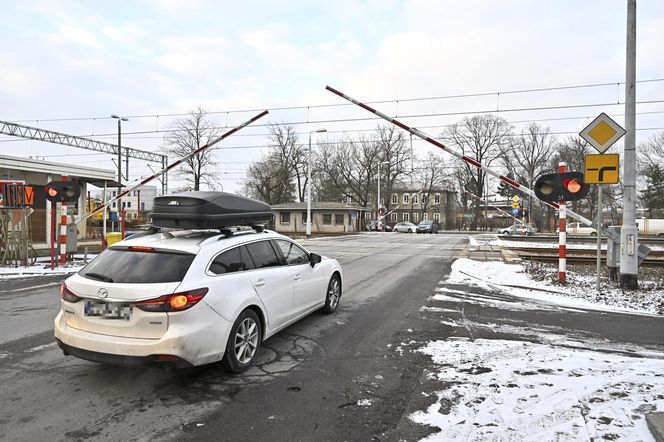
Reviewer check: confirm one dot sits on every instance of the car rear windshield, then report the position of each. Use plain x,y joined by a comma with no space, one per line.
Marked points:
129,266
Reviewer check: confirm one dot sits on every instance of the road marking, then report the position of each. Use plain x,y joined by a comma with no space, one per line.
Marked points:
40,347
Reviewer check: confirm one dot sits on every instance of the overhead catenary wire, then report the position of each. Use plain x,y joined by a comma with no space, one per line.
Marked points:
384,101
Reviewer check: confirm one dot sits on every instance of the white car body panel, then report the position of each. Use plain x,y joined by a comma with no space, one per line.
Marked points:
199,334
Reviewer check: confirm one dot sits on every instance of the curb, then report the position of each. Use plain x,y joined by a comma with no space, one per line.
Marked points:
656,425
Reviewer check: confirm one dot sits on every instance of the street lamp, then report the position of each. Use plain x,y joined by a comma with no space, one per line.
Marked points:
309,182
120,120
378,199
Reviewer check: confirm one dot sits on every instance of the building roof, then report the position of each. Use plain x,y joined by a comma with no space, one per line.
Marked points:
86,173
317,206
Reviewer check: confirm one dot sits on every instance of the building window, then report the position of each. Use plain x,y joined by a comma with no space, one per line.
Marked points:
339,219
367,215
425,216
327,219
405,217
416,217
114,205
395,198
304,217
406,198
128,204
369,200
142,206
436,198
284,217
393,217
436,216
416,199
114,194
124,204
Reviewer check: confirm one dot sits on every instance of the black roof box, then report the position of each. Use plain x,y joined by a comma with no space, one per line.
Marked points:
208,210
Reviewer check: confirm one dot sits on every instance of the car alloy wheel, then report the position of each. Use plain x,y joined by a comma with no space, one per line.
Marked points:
333,295
243,342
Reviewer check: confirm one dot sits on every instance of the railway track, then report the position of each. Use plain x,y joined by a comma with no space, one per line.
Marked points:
579,256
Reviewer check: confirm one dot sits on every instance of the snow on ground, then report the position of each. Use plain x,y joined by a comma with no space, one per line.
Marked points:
579,292
37,270
512,390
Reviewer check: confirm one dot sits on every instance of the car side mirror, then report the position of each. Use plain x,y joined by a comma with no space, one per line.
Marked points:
314,259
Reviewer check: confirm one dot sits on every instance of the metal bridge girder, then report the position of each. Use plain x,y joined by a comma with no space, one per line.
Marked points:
49,136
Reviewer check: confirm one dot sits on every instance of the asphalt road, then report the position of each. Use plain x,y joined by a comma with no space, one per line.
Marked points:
314,380
387,279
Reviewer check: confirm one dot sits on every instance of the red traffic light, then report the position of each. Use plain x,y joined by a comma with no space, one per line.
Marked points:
572,186
556,187
63,191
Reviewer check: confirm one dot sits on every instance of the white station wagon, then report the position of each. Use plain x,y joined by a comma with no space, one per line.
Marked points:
189,297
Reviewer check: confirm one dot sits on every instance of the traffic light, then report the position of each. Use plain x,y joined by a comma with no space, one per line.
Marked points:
568,186
62,191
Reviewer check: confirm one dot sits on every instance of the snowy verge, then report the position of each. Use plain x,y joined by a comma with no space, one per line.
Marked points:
510,390
579,292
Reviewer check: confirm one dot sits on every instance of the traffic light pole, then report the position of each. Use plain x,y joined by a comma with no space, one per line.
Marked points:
63,228
562,234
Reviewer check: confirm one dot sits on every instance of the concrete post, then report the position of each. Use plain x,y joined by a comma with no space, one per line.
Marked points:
629,233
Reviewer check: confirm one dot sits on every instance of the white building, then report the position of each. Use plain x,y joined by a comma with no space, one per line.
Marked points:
139,199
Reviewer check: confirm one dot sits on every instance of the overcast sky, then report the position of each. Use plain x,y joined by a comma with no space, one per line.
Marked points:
87,60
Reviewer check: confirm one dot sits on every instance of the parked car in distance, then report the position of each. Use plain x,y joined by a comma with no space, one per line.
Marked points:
579,229
427,226
377,226
405,227
519,229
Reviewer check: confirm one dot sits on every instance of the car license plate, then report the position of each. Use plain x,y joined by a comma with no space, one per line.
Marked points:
108,310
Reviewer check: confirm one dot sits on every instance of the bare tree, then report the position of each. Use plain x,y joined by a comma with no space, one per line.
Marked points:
433,177
280,176
269,180
286,148
481,138
652,152
189,134
526,157
393,151
351,165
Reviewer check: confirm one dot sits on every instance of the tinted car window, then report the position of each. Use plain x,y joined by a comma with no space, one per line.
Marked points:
128,266
228,262
292,253
263,254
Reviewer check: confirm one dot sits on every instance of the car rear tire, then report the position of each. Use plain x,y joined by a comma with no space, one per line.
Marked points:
333,295
243,342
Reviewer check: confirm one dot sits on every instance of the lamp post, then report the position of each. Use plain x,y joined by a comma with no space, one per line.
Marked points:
309,182
378,198
120,120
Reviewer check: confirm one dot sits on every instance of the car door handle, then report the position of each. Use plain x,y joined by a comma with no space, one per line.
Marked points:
259,283
297,277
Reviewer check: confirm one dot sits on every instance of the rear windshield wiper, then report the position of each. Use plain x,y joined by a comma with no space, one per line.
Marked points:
99,276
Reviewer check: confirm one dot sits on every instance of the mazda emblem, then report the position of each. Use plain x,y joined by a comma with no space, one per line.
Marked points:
102,293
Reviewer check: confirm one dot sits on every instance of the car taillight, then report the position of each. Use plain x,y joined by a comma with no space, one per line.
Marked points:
67,294
176,302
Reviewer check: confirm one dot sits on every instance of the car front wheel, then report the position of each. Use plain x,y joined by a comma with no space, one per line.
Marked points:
243,342
333,295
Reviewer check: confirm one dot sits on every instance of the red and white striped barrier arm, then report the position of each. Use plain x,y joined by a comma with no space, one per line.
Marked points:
459,155
172,165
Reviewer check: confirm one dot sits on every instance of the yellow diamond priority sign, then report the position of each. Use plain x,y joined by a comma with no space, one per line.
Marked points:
602,132
601,169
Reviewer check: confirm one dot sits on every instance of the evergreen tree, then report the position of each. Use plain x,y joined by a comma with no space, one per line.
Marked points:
652,196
